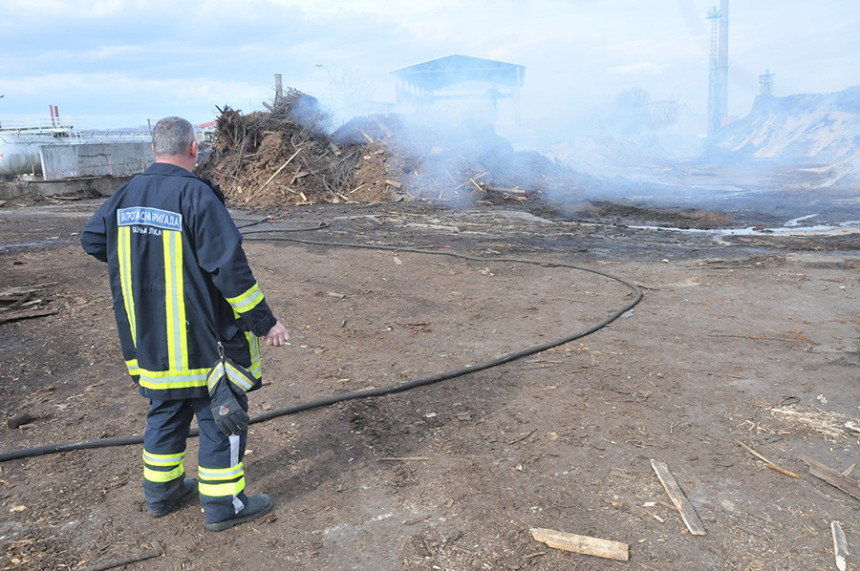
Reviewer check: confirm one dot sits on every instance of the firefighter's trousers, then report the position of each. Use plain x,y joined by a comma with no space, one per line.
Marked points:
220,471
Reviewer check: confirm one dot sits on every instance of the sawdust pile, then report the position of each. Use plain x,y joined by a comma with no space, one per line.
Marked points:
285,157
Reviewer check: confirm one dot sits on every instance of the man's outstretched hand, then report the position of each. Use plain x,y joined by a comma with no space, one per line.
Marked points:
277,335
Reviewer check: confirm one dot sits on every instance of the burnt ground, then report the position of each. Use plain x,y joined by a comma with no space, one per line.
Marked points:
741,337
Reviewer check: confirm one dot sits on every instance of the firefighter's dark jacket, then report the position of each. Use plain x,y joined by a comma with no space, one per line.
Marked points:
180,281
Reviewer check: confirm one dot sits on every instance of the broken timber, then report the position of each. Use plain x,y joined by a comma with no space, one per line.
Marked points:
582,544
25,314
682,504
23,290
288,161
18,303
848,485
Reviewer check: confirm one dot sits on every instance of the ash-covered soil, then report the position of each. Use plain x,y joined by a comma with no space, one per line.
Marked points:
742,337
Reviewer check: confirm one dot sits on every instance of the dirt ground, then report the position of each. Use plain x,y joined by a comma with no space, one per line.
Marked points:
740,337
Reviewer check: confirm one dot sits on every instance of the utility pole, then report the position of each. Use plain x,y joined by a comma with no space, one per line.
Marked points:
279,90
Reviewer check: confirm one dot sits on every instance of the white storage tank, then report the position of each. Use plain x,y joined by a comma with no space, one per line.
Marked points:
19,147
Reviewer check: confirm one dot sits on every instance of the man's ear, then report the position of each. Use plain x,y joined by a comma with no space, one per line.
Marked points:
193,149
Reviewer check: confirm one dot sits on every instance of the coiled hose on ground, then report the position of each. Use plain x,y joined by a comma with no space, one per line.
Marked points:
372,392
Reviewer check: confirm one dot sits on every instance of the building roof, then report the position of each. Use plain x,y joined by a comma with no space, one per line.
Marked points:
439,73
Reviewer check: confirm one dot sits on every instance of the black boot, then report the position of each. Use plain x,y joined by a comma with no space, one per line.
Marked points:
187,490
258,505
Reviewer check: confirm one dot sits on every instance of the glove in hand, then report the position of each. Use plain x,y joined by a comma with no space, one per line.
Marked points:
226,410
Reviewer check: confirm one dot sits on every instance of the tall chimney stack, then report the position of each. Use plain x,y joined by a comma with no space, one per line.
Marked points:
723,59
718,81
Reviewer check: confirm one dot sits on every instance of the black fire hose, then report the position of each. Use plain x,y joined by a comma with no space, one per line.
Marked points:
372,392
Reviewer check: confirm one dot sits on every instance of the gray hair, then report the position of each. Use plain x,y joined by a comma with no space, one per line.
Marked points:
172,136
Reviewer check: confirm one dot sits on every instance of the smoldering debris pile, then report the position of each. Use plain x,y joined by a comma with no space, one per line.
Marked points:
285,157
431,158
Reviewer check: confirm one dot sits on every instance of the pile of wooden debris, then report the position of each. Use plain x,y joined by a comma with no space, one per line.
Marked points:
285,157
24,303
281,157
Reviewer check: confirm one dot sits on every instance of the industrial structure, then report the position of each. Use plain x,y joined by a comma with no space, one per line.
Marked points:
59,150
463,79
718,77
765,84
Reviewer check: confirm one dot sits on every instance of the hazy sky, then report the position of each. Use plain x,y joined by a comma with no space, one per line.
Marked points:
117,63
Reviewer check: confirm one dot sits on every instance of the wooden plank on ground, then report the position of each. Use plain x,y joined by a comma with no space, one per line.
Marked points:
26,314
604,548
22,290
682,504
848,485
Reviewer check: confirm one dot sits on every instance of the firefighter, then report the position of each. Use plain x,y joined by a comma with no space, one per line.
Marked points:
183,297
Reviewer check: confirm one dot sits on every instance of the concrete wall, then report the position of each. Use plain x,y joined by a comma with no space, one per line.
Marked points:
95,159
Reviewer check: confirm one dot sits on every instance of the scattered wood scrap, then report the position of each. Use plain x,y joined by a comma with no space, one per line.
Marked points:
682,504
26,314
157,551
846,484
23,303
22,290
840,545
756,337
604,548
20,419
769,464
830,424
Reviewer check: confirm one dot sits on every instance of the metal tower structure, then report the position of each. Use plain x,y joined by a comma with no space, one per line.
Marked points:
765,84
718,77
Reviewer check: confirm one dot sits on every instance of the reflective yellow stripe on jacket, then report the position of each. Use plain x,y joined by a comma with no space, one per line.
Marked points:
124,255
234,375
256,368
178,374
174,301
246,301
170,379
